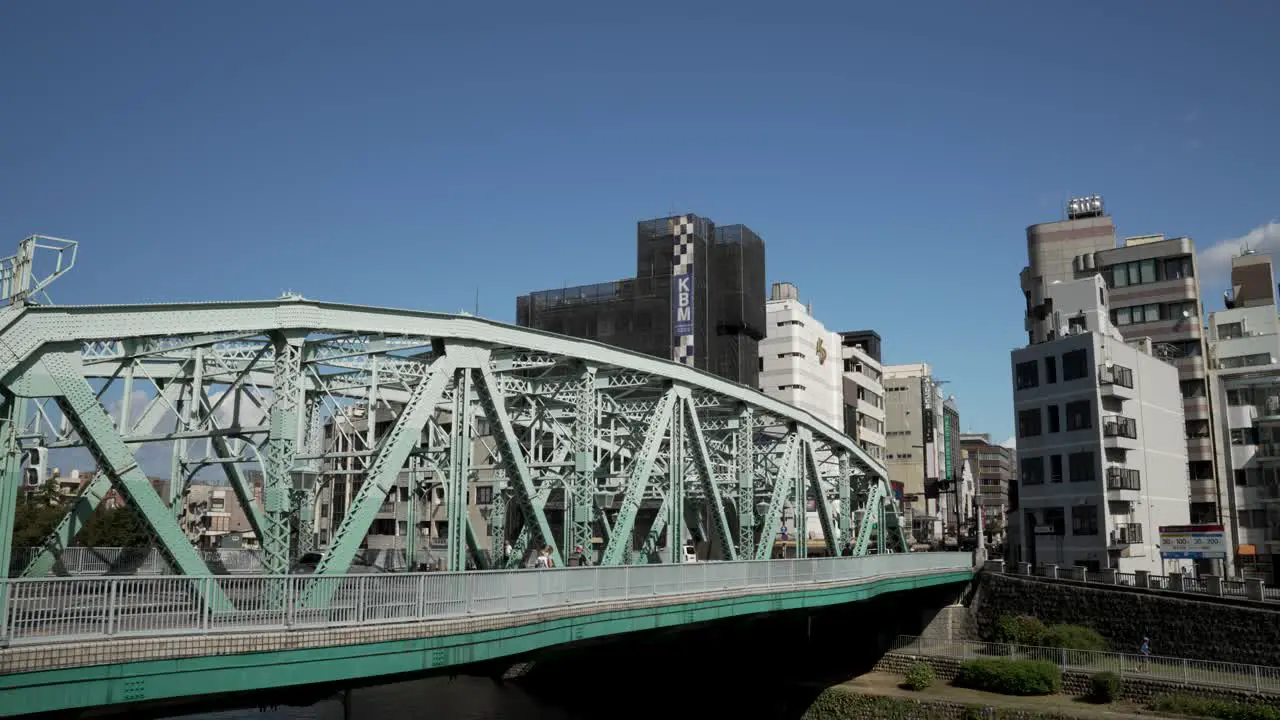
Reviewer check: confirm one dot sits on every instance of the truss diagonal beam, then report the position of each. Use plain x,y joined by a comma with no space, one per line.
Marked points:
641,470
405,433
79,404
820,499
783,481
535,520
710,488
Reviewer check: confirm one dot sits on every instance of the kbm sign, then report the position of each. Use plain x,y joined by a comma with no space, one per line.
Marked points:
682,303
1193,542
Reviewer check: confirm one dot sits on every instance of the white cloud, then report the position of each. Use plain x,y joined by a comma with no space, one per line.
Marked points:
1011,443
1215,260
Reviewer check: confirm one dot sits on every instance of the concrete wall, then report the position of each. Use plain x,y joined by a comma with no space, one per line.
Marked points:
1177,626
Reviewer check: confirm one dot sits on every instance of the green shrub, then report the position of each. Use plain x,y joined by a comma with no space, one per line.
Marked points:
1019,630
1104,687
1072,637
919,676
1010,677
1204,707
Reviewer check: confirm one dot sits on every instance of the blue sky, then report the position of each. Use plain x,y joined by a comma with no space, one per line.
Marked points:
407,154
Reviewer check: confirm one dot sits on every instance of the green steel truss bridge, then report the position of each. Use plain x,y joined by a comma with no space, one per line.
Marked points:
579,440
593,431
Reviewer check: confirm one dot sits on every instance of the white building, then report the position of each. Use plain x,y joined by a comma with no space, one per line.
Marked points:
800,359
1101,449
863,389
1244,378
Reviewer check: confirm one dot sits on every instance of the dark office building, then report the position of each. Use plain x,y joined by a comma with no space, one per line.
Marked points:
697,298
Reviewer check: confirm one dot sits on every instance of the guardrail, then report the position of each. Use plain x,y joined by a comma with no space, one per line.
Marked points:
1244,588
85,561
1258,678
49,610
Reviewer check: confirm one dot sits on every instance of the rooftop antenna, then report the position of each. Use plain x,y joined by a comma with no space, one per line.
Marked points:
18,281
477,301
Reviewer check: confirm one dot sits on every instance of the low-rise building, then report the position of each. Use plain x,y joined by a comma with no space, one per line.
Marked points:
1101,451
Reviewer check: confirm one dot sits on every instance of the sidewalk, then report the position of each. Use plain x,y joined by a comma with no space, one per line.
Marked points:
887,685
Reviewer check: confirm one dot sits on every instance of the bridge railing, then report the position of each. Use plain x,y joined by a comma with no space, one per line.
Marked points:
1245,588
50,610
1257,678
85,561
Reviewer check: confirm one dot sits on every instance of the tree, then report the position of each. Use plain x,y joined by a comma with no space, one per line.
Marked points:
994,527
37,514
115,527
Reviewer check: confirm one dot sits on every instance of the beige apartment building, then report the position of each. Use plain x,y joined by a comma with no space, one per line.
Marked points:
1154,293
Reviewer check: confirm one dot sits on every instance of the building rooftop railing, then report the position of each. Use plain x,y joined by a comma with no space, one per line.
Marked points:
56,610
1241,588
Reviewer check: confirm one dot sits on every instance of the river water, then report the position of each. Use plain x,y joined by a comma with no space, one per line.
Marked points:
443,698
473,698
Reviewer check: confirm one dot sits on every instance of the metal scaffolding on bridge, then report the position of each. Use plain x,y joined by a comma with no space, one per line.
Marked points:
580,440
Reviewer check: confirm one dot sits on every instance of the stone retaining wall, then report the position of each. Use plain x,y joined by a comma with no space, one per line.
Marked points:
1077,683
1178,625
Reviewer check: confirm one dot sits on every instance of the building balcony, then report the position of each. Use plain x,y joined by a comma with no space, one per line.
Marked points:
1267,452
1115,381
1190,367
1124,535
1196,408
1267,412
1123,483
1119,432
1199,446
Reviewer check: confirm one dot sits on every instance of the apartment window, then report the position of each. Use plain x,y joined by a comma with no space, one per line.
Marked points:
1076,324
1239,361
790,355
1239,436
1195,389
1084,520
1050,370
1242,477
1075,365
1052,412
784,323
791,387
1032,469
1138,272
1200,429
484,495
1055,468
1026,375
1029,422
1252,518
1055,518
1080,467
1079,415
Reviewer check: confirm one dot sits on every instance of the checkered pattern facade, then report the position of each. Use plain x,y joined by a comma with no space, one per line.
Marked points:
682,232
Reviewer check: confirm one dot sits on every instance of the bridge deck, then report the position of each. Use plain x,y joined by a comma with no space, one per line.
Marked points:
48,628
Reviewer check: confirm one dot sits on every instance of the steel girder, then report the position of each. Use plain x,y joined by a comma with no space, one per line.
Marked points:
579,440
